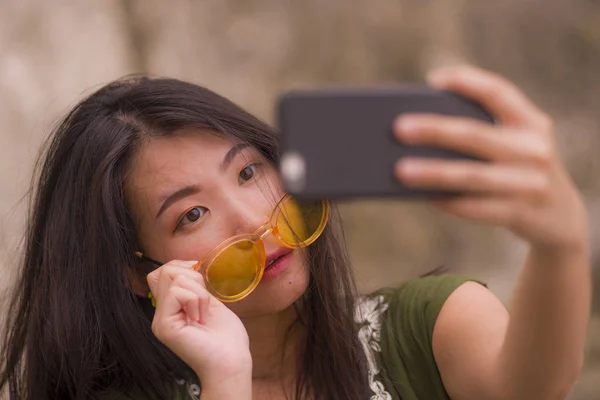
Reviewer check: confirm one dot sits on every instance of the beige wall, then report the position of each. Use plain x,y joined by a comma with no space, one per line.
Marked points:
53,52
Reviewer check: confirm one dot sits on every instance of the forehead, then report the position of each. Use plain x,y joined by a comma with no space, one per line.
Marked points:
165,164
175,157
188,142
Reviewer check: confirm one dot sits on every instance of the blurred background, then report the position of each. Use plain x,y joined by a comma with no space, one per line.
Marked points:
54,52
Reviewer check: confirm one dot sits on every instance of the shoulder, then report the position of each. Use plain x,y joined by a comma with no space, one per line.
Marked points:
420,301
396,327
469,313
468,337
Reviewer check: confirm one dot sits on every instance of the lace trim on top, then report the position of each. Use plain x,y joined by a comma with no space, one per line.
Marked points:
367,315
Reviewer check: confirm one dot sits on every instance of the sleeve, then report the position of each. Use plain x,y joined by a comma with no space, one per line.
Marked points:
408,333
419,302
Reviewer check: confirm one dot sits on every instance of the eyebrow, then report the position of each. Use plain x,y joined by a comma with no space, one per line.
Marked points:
193,189
231,153
176,196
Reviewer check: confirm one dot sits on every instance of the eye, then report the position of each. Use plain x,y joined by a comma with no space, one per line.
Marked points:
247,173
192,215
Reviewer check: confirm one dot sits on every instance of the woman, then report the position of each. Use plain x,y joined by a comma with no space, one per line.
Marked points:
172,170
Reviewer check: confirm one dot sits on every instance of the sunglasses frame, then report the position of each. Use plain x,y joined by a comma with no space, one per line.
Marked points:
257,238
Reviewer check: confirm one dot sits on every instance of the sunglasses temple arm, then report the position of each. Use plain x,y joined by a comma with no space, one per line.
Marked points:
146,258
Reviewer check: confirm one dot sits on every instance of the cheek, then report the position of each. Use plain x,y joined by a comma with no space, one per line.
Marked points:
299,271
191,248
184,247
276,296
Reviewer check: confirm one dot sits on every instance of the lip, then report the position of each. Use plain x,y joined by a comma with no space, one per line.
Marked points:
282,251
281,263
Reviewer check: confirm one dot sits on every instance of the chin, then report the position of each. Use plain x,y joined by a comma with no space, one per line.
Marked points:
275,294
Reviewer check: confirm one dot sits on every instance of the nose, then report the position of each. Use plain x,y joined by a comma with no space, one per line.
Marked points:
249,214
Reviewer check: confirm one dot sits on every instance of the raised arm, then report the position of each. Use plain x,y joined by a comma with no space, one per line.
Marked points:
535,349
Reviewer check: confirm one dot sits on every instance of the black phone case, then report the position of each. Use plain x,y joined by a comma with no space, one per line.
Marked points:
337,143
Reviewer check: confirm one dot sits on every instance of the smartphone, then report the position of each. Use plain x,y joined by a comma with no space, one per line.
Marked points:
337,143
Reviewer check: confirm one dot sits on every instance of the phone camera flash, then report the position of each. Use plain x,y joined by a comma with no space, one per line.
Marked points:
293,171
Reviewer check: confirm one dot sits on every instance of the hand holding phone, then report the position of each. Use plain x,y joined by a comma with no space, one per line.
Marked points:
337,143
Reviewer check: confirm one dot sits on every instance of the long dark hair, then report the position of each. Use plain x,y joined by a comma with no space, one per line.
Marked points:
75,328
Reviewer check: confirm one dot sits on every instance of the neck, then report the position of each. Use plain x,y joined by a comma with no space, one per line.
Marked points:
275,344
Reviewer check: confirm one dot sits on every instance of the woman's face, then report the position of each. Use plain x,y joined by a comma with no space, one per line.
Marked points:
191,191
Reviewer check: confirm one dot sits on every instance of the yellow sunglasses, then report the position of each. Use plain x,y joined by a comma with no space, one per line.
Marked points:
235,267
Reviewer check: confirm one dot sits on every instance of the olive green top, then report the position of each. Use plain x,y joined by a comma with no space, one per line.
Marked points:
396,330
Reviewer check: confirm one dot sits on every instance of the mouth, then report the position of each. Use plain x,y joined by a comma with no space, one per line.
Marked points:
276,256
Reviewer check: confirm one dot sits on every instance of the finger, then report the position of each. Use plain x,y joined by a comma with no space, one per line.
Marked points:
184,268
476,138
499,211
186,264
472,176
169,274
160,279
175,301
199,289
193,313
153,277
500,96
190,283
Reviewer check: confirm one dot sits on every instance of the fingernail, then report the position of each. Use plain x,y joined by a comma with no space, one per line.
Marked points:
438,78
406,127
407,168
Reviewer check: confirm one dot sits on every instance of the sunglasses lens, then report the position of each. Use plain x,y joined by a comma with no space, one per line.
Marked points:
300,224
236,270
